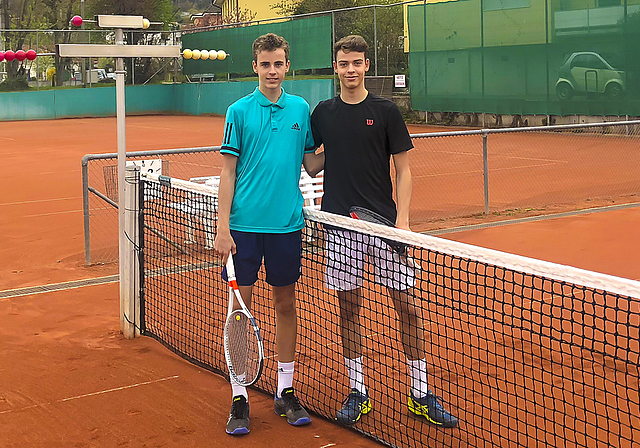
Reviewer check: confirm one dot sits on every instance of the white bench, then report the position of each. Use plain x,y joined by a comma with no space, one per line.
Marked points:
311,189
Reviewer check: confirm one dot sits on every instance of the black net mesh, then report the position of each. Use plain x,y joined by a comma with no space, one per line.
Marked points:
521,359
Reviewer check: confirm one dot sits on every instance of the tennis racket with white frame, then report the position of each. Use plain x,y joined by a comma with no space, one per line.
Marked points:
243,349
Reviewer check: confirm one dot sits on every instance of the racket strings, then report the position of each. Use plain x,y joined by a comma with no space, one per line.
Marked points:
244,353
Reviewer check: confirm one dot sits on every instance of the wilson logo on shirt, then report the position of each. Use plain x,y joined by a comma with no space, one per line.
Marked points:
295,127
369,121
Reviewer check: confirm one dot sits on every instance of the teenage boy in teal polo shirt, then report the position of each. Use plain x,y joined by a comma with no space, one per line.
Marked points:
260,209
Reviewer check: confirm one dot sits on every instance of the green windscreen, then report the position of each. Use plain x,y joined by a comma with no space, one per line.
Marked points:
558,57
309,39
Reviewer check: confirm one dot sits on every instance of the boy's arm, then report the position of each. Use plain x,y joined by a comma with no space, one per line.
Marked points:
224,243
313,163
403,188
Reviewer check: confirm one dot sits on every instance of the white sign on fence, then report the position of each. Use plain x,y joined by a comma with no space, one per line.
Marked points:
400,80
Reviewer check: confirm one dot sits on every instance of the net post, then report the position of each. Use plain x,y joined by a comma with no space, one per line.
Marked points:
485,171
130,273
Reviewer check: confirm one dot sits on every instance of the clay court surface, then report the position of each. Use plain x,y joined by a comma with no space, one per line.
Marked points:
68,378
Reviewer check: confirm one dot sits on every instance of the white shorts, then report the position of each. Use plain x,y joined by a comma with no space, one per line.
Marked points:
345,254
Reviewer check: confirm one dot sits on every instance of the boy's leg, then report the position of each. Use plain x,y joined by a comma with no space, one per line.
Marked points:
357,402
345,256
284,302
238,423
422,401
282,258
247,262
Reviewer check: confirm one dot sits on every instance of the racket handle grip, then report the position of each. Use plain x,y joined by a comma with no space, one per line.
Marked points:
231,270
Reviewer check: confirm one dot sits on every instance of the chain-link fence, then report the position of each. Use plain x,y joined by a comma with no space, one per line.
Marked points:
498,174
509,173
100,190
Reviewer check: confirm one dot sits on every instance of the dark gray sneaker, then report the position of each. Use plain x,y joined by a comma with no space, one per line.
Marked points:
238,423
289,406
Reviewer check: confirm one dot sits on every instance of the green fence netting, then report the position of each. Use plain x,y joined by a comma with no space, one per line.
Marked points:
310,41
557,57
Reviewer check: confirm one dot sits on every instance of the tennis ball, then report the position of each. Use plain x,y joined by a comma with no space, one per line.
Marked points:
145,23
204,55
195,54
187,54
222,55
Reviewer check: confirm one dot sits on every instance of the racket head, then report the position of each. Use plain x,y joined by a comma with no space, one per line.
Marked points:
364,214
243,349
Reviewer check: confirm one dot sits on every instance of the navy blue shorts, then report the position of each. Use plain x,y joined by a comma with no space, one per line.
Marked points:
282,253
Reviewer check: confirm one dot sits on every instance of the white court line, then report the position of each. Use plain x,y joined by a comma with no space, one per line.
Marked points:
504,156
41,200
328,445
52,213
480,171
93,394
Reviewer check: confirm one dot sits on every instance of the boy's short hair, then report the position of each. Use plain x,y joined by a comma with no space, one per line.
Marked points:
351,43
270,42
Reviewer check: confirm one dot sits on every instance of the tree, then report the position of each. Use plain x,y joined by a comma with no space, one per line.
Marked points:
57,15
387,34
238,15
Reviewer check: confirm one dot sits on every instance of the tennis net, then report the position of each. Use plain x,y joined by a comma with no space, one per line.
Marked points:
523,352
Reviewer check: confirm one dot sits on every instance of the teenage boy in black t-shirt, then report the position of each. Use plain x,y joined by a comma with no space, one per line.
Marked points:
361,133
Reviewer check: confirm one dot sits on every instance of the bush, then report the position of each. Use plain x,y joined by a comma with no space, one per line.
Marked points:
14,84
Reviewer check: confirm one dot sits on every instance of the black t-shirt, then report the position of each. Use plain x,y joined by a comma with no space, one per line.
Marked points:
359,140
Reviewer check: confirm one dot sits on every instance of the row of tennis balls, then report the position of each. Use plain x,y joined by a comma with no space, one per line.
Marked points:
204,54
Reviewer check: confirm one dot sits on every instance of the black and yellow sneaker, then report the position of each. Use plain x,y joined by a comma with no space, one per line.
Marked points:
353,408
238,423
430,408
289,406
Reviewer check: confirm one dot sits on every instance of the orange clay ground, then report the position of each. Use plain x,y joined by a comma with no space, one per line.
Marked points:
69,379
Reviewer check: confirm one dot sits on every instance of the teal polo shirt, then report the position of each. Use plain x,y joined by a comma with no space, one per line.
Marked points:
269,140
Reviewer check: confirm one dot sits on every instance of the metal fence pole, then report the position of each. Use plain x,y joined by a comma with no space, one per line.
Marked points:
375,39
485,171
37,61
333,41
85,210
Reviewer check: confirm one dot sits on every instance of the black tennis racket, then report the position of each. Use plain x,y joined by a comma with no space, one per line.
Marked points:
243,348
364,214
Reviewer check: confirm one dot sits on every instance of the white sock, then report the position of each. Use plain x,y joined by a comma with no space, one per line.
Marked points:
356,377
285,376
237,389
418,373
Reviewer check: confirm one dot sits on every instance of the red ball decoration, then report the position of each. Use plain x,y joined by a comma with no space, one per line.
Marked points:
77,20
31,55
9,55
21,55
1,56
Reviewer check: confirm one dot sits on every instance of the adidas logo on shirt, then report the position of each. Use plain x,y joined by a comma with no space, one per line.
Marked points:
295,127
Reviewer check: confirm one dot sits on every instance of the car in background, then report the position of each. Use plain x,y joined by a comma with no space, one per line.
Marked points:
587,72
